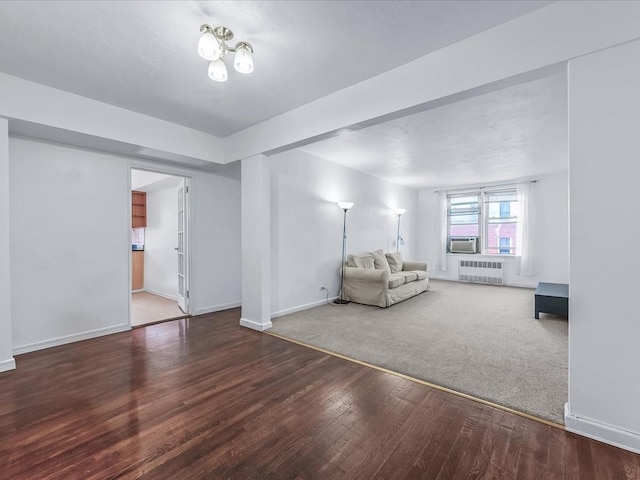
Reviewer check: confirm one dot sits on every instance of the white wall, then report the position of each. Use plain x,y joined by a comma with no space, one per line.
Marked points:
161,234
604,328
215,244
6,356
69,251
551,236
306,225
70,243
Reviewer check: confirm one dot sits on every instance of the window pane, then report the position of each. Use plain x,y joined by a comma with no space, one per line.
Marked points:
504,196
468,205
501,235
463,230
463,199
464,215
501,209
505,245
502,220
464,209
463,219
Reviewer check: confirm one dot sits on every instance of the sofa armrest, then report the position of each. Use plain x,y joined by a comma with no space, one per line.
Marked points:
407,266
368,275
366,285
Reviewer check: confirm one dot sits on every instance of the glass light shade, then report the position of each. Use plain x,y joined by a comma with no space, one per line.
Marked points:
218,71
345,205
243,61
208,47
400,211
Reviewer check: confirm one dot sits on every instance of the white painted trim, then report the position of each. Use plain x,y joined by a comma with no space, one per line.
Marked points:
261,327
217,308
140,290
300,308
6,365
160,294
76,337
601,431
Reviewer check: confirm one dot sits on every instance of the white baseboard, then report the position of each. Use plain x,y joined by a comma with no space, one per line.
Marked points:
217,308
601,431
161,294
299,308
261,327
9,364
76,337
447,279
521,285
138,291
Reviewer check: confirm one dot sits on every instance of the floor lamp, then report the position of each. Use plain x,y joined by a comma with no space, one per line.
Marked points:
399,212
344,206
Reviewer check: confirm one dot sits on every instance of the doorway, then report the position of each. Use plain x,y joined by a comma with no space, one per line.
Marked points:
159,247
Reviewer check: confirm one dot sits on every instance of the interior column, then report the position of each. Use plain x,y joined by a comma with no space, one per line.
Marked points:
604,391
256,243
6,355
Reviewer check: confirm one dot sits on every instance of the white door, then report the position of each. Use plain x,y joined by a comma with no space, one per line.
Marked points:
183,286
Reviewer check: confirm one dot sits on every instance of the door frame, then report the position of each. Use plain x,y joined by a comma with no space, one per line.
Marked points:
176,172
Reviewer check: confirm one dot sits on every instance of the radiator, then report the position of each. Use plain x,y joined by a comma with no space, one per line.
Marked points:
479,271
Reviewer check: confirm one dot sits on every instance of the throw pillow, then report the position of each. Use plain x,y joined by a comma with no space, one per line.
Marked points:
380,261
360,261
395,261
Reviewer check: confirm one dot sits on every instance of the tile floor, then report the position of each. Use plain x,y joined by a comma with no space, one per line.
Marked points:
148,308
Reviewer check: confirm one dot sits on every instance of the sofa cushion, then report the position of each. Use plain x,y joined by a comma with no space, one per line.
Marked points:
395,261
360,261
409,276
380,261
420,273
395,280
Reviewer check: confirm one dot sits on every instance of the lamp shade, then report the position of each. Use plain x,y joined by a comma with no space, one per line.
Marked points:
243,61
218,71
400,211
345,205
208,47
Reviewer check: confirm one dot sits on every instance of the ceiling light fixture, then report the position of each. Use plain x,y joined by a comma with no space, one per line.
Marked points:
213,47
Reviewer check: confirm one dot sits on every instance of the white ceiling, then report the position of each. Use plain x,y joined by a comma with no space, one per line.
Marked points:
514,133
142,55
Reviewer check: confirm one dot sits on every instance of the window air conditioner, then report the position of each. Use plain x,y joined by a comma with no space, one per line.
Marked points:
463,245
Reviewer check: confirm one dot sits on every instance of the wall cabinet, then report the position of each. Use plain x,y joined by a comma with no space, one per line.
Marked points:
137,270
138,209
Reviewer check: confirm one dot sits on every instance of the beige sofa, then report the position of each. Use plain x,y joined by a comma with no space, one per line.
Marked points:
380,279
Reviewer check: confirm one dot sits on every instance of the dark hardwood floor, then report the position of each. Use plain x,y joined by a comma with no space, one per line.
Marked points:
204,398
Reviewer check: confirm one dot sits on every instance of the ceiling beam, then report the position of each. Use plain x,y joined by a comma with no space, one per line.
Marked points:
549,36
45,112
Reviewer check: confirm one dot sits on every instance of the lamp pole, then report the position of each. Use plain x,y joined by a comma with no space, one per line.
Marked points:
399,212
398,236
344,206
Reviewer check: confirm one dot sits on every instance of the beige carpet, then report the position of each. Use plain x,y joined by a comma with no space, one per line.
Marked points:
476,339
